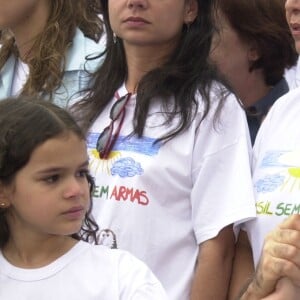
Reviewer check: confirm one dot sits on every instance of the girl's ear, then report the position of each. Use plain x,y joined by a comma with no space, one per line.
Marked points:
191,11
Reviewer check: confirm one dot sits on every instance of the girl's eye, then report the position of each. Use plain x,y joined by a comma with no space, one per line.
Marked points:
83,173
51,179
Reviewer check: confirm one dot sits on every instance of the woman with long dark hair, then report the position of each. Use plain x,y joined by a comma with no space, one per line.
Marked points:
168,147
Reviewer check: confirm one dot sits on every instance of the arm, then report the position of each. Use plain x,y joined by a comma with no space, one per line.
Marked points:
243,268
214,265
280,258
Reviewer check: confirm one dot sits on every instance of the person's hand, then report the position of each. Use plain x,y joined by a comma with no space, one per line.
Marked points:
285,290
280,258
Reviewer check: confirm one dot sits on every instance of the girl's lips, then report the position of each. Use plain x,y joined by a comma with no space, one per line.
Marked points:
74,212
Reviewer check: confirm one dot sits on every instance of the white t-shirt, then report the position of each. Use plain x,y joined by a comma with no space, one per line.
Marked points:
86,272
292,76
20,77
276,169
160,201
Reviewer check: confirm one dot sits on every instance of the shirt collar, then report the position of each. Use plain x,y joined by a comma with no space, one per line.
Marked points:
263,105
81,48
6,77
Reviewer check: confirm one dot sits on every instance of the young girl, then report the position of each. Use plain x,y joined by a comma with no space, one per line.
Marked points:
168,151
45,214
44,46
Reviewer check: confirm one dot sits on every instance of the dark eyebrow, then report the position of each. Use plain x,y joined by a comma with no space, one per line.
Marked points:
85,164
57,169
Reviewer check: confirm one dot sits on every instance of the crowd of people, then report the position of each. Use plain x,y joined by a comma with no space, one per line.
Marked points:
149,149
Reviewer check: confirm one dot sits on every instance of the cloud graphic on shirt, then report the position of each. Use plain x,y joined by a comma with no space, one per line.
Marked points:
143,145
126,167
118,162
269,183
273,159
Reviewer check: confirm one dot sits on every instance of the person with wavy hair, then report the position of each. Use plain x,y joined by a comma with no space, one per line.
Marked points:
45,45
47,233
165,141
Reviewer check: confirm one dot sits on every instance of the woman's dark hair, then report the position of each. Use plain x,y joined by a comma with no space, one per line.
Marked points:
185,73
26,123
47,55
263,24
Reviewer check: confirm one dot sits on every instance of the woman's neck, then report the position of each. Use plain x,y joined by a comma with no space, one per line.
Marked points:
140,61
253,95
251,88
30,28
25,47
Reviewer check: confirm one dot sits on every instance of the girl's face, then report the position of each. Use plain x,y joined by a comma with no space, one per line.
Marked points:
292,8
151,22
50,195
17,15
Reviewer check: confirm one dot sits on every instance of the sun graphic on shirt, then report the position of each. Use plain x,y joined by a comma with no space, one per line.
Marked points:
102,165
292,182
292,160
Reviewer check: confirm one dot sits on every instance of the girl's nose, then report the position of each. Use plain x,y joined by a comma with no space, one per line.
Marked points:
75,187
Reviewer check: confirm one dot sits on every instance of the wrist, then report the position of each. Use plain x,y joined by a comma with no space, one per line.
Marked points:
249,292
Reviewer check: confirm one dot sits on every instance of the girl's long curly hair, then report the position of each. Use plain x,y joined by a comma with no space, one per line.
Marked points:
47,55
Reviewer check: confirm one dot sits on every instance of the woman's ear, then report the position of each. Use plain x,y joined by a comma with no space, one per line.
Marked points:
253,53
191,11
4,200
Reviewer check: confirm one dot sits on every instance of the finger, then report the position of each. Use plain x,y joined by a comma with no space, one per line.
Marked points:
288,236
271,269
284,251
292,222
285,289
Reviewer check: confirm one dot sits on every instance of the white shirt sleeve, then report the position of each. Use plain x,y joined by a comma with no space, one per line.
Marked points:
136,280
222,192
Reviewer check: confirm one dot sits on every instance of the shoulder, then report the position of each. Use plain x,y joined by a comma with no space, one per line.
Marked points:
134,277
285,109
220,98
281,121
81,50
286,102
225,109
119,258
